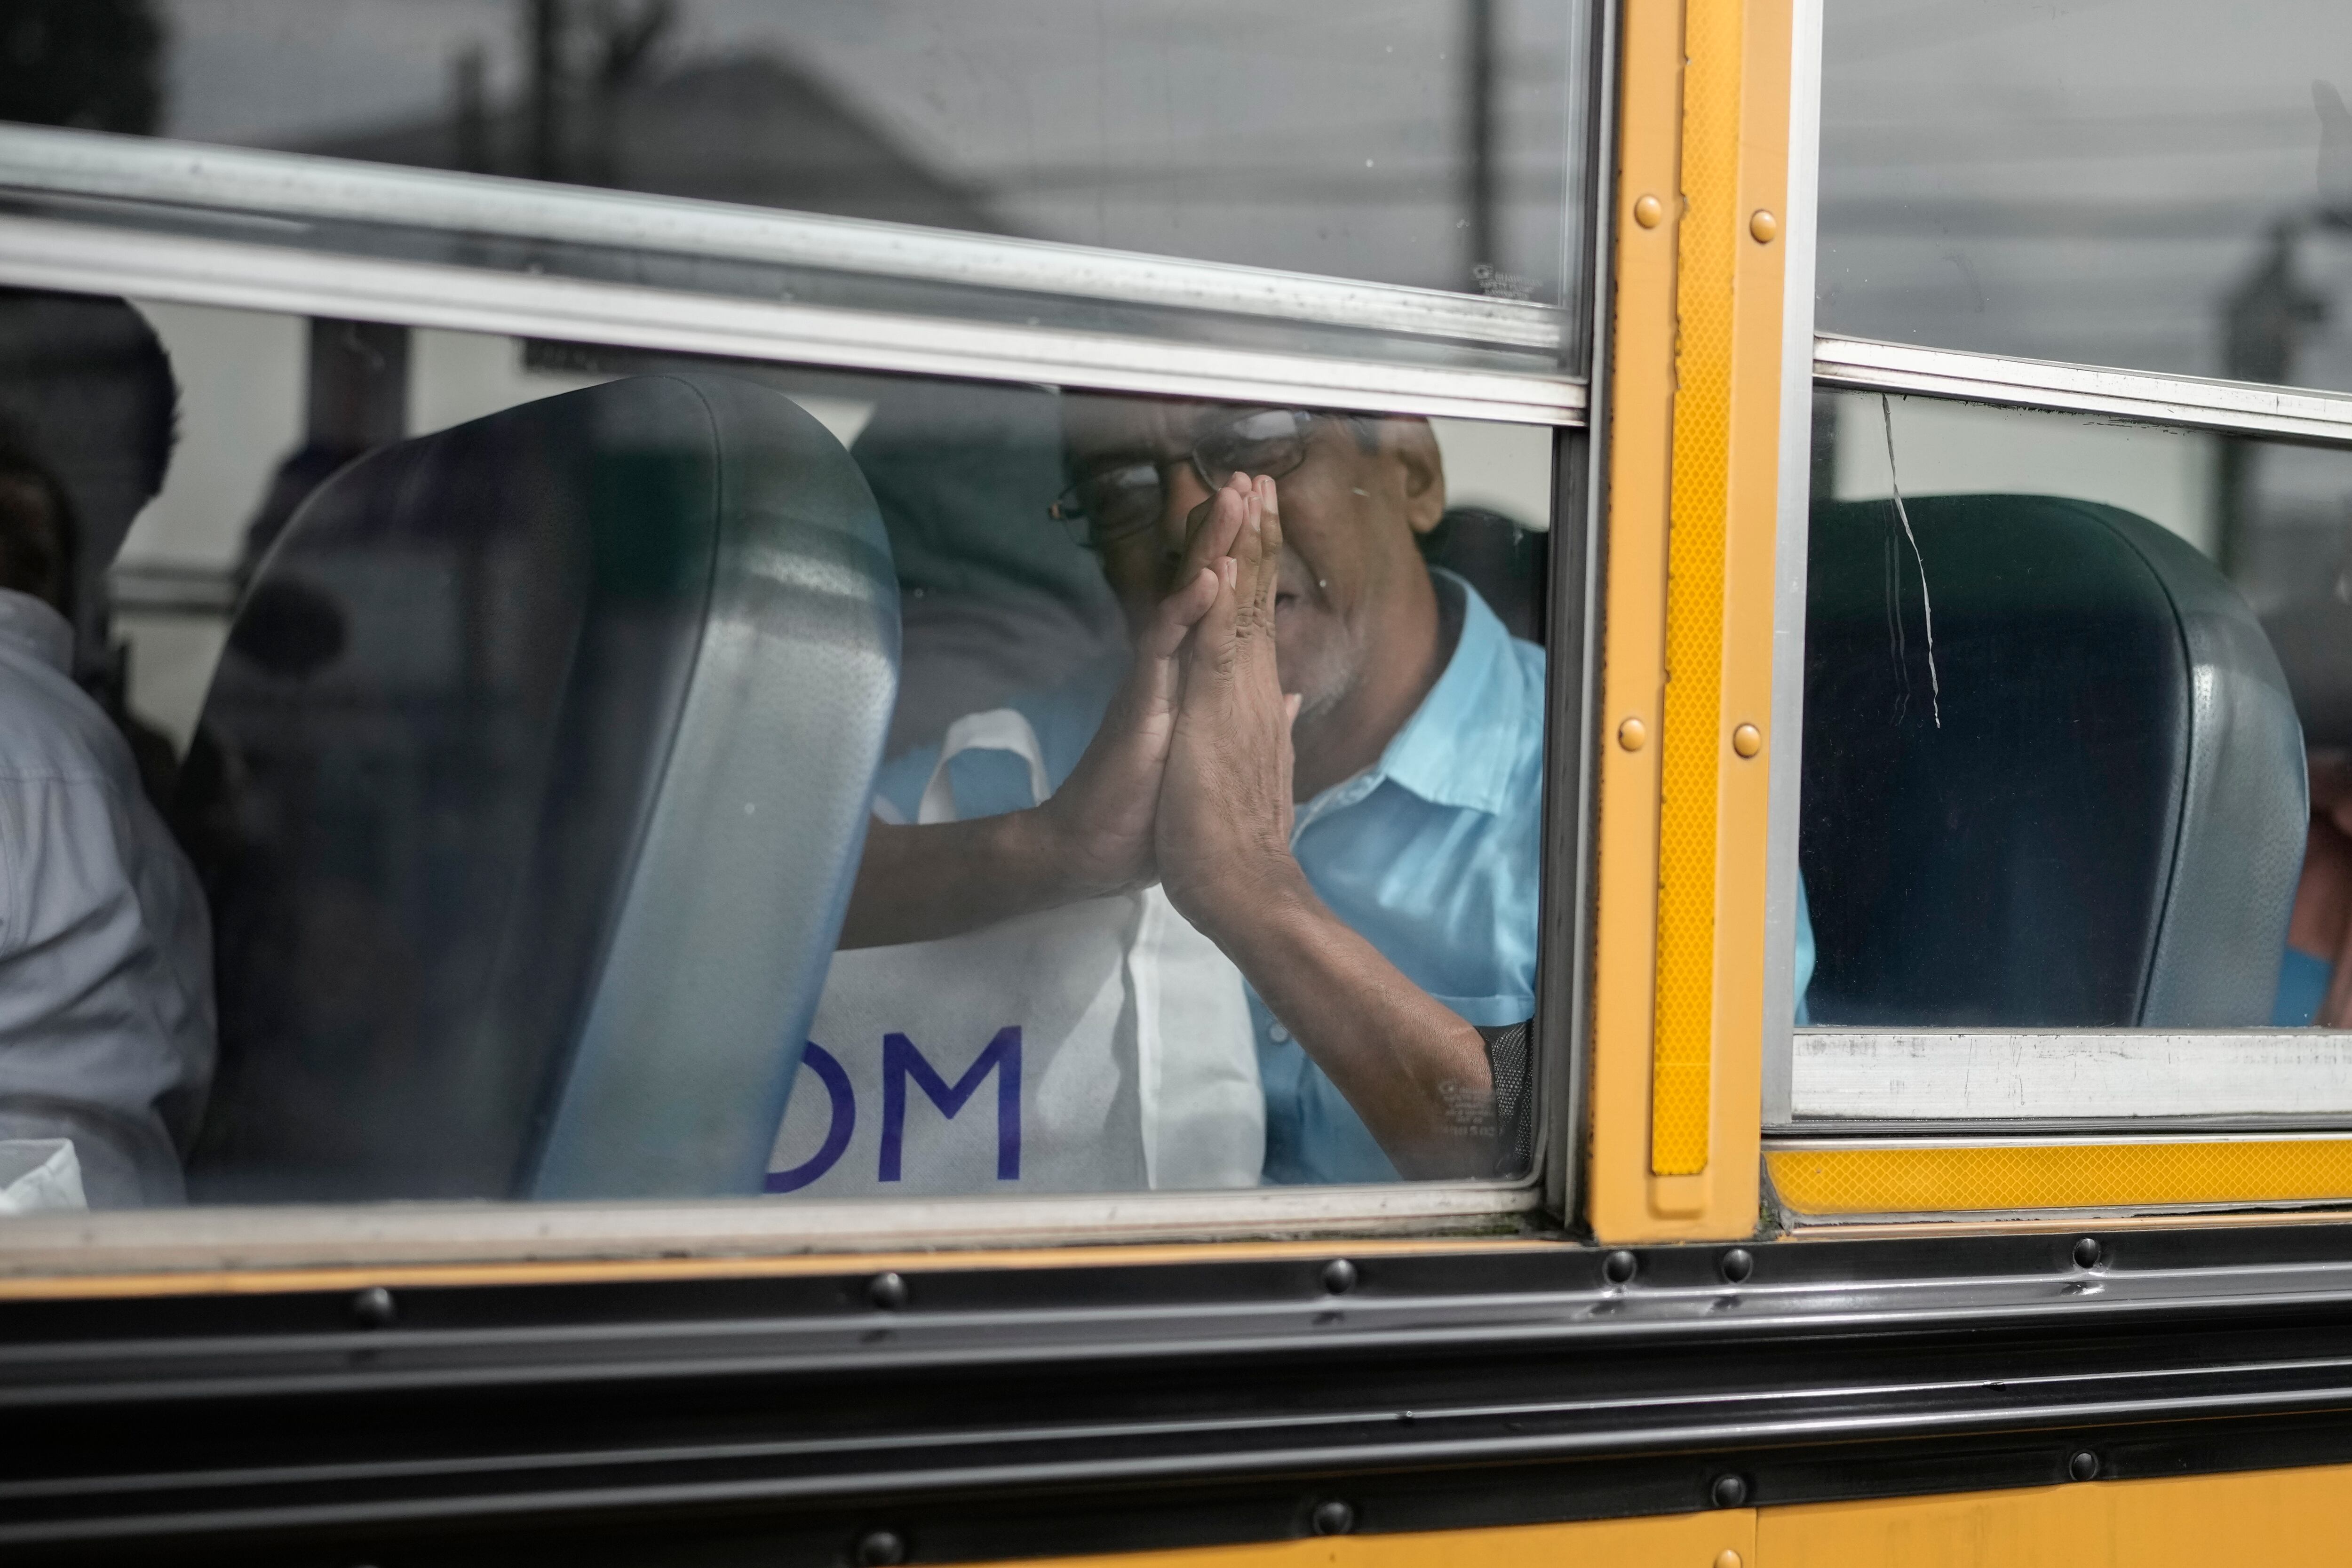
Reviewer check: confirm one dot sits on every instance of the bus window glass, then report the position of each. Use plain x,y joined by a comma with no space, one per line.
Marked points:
2060,697
525,770
1425,143
2165,186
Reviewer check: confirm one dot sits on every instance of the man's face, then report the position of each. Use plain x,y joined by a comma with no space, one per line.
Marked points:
1350,516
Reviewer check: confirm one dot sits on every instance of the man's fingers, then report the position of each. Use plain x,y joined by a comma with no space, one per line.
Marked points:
1213,634
1210,531
1269,564
1248,544
1259,552
1179,612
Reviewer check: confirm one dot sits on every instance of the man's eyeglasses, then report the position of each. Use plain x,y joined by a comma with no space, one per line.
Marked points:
1110,504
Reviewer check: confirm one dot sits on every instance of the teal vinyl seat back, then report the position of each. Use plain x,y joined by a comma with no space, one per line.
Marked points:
2091,814
542,755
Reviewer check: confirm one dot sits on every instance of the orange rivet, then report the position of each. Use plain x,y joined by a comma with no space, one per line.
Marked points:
1649,211
1764,226
1726,1558
1747,740
1632,733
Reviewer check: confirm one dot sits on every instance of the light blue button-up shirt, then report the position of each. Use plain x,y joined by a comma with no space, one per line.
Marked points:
1432,855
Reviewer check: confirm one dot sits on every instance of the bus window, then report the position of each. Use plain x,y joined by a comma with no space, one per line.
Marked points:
1428,145
2065,866
2056,183
2074,759
617,774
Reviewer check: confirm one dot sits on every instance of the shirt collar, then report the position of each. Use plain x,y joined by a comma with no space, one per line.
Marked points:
1461,744
28,625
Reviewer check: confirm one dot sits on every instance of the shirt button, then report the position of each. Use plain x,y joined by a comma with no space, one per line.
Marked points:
1277,1034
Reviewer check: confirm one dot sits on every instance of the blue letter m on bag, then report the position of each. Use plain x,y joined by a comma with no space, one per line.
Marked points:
901,1061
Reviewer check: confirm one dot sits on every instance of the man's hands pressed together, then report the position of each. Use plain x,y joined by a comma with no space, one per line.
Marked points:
1188,782
1411,1069
1225,811
1096,835
1103,821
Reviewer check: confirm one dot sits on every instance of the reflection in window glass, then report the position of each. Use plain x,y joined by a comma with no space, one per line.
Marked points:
2164,185
533,770
1412,141
2058,706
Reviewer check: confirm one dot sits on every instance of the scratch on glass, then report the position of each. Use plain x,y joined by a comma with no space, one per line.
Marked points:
1926,606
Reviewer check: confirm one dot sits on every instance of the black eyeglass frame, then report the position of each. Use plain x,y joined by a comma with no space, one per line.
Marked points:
1073,510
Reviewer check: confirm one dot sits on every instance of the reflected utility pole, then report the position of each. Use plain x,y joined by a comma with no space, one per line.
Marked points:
471,90
544,42
2265,318
1478,143
2263,321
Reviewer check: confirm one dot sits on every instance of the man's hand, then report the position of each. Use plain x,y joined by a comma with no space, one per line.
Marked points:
1100,825
922,882
1412,1070
1223,831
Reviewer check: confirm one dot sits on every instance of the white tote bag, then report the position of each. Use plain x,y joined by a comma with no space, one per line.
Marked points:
1102,1047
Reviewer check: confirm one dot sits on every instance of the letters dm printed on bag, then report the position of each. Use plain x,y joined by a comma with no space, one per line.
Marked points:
1101,1046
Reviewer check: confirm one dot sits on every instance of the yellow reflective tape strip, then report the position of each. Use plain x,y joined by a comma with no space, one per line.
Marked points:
1942,1178
1682,1062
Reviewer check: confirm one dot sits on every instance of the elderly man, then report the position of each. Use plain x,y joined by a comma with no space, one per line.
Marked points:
1330,755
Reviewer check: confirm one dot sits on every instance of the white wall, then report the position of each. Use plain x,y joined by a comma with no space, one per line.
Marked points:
242,391
1503,468
1959,448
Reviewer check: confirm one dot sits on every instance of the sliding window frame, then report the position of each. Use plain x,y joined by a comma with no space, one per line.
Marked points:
1988,1123
153,220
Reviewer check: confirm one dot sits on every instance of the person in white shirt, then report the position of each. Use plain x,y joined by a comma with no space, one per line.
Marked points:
106,988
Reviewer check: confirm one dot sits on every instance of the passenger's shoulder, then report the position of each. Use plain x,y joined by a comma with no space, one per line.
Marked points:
52,731
1530,658
1528,662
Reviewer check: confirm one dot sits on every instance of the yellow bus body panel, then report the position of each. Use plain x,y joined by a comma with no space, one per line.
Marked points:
1681,1541
2257,1518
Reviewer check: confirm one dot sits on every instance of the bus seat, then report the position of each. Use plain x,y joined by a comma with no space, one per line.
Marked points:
2105,828
543,748
1509,564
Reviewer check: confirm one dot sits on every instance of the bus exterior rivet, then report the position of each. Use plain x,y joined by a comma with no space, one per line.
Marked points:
1726,1558
880,1548
1729,1491
1632,733
1739,1264
889,1293
1339,1277
373,1307
1334,1518
1764,226
2087,1253
1618,1266
1747,740
1649,211
2083,1466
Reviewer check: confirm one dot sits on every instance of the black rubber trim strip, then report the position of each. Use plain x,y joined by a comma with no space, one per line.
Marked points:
1002,1413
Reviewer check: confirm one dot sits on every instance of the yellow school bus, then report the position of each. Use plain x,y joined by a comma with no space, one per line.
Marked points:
1449,780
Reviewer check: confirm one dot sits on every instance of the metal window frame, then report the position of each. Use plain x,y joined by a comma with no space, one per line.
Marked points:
1933,1082
1563,1034
300,187
1798,369
93,251
2196,403
51,253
